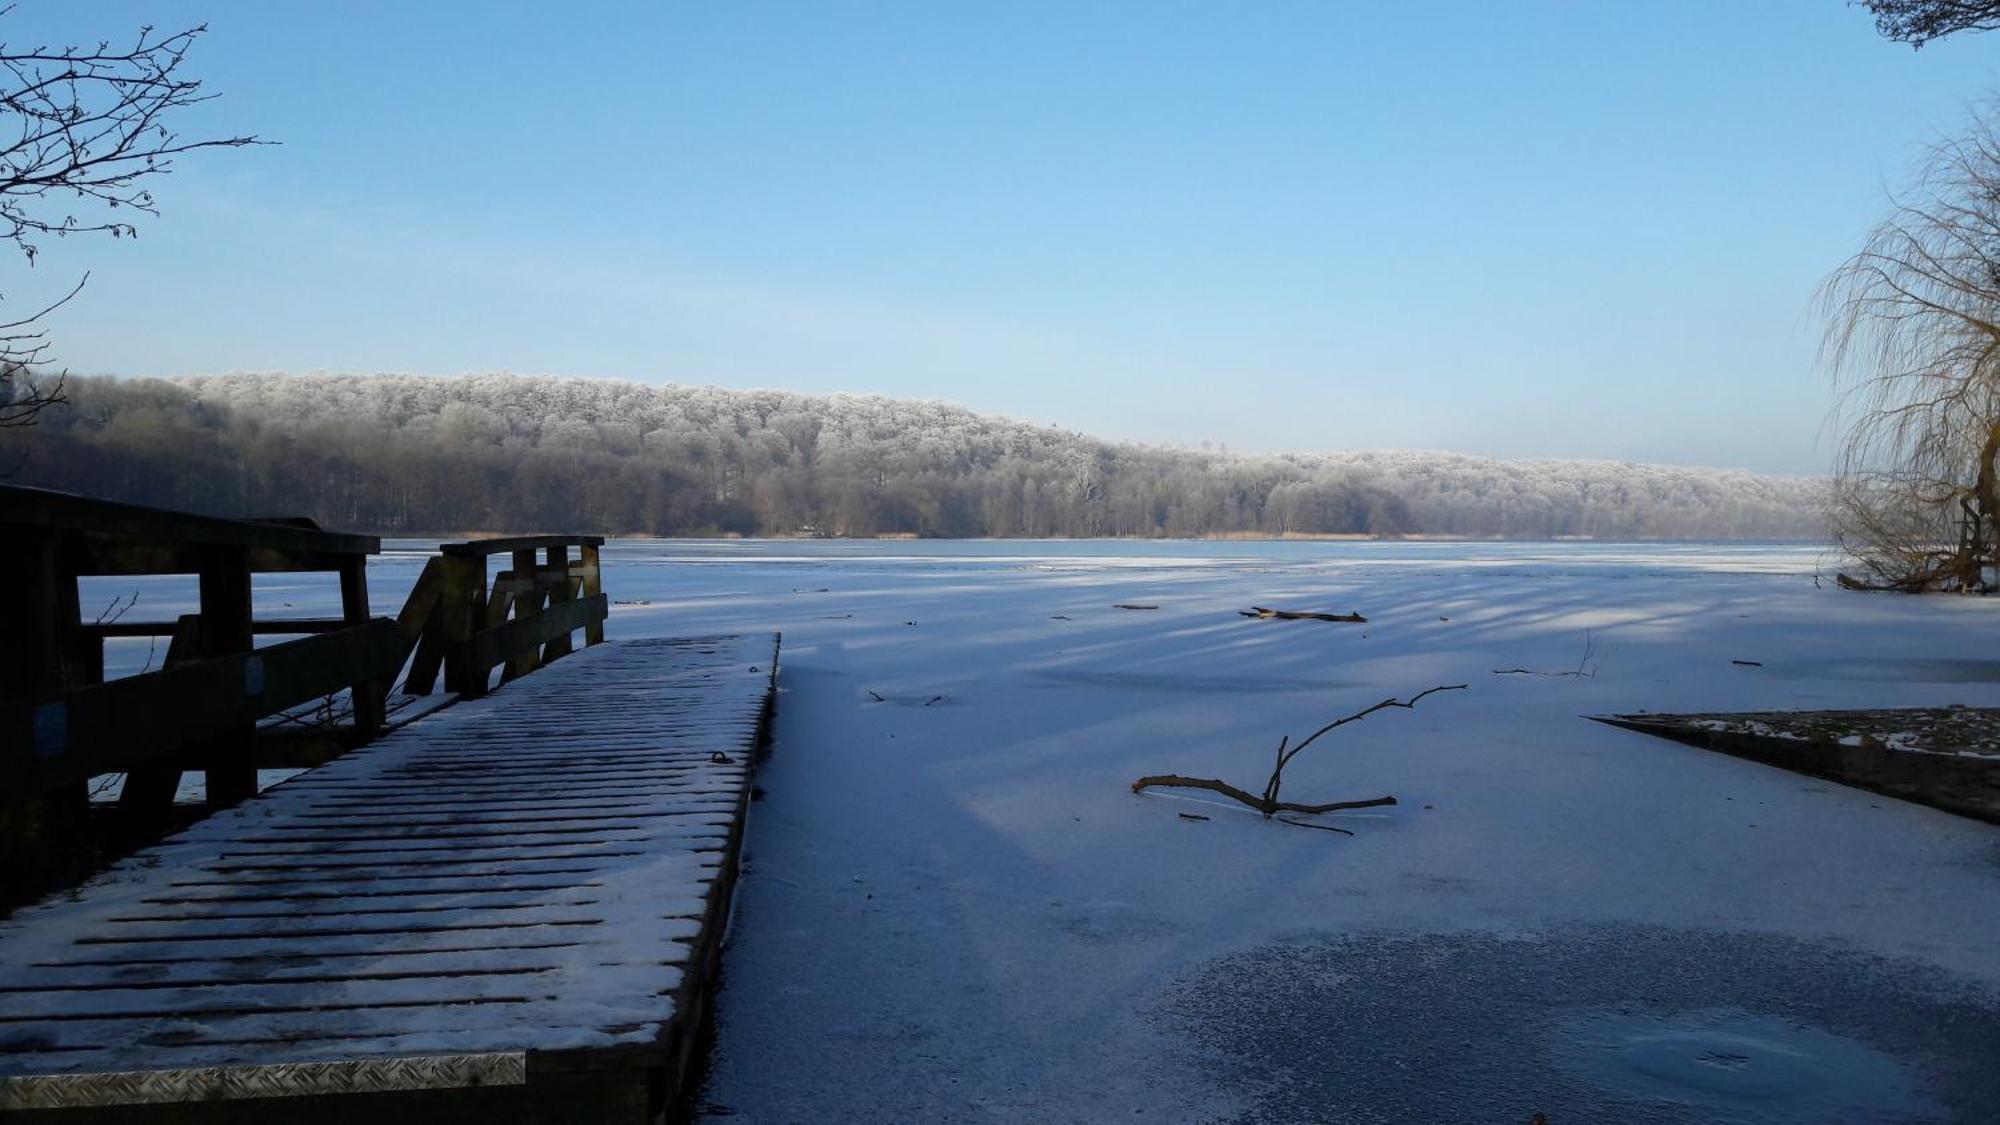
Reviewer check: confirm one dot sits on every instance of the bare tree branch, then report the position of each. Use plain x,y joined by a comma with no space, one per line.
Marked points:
1918,22
82,130
1268,804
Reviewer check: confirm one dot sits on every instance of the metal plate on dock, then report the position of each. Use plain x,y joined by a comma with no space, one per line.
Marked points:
531,875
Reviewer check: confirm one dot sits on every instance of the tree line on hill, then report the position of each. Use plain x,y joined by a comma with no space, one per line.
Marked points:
416,454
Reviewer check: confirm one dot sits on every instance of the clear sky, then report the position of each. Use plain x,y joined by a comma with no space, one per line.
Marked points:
1557,229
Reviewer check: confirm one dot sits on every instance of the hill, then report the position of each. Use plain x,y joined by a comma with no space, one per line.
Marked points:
398,453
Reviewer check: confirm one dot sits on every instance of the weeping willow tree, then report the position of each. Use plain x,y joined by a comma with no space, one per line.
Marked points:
1913,339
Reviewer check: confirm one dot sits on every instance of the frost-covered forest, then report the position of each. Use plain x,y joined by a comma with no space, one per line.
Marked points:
515,453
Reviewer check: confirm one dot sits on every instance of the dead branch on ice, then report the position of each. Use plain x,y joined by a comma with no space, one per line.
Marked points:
1268,803
1321,827
1262,614
1586,666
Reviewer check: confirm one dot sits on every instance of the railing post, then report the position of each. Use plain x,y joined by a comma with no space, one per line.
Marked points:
368,698
38,835
460,610
225,629
593,585
559,591
526,597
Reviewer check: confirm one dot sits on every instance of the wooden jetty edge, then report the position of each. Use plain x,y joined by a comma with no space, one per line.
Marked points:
511,910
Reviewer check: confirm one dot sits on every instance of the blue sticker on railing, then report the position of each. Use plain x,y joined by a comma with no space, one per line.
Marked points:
51,729
253,676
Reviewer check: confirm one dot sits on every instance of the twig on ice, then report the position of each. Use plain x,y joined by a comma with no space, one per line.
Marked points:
1586,667
1321,827
1268,803
118,608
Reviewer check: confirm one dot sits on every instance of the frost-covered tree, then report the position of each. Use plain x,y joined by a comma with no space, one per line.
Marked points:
502,452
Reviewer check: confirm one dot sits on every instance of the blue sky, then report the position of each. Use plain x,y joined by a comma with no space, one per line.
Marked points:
1579,229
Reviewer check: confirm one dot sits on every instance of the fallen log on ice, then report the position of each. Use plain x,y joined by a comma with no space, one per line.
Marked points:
1263,614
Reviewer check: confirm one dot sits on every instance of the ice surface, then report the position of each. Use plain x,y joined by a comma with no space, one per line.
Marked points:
1731,1064
962,912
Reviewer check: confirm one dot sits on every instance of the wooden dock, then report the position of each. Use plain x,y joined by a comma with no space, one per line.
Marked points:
510,910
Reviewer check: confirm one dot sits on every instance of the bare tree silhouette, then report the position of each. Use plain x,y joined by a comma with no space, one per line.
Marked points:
1918,22
82,131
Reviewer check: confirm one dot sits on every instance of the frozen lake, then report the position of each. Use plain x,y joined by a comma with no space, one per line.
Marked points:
956,909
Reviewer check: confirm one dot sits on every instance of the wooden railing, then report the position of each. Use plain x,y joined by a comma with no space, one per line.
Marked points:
522,622
62,723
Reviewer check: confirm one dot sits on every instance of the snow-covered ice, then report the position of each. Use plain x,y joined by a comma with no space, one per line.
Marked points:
956,909
961,912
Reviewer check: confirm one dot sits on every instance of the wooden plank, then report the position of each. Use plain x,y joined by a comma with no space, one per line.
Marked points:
41,828
562,592
591,575
492,646
527,601
127,722
149,789
422,626
31,661
461,603
272,627
82,653
40,507
366,697
480,548
110,555
307,929
224,628
422,603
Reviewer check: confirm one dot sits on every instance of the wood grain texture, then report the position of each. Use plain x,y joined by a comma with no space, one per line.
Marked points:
543,871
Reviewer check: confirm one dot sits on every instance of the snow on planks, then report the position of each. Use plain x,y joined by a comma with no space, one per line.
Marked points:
513,905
